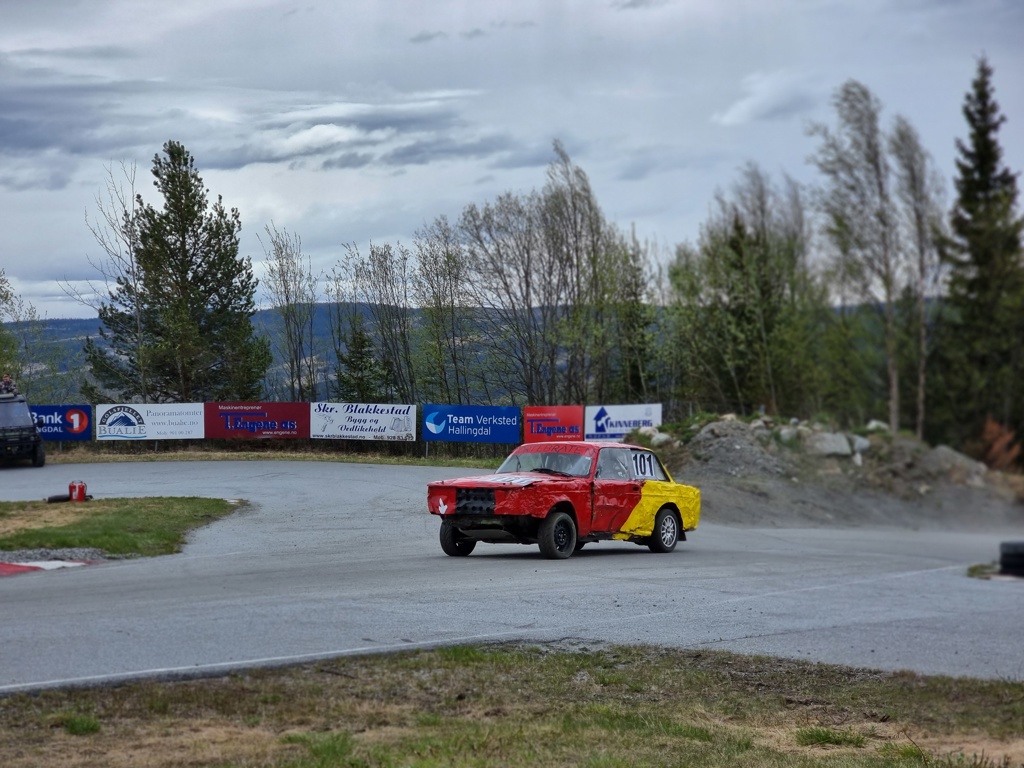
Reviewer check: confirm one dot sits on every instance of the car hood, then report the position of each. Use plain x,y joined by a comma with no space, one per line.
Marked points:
506,480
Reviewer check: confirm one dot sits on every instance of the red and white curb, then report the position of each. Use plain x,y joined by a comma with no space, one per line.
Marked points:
13,569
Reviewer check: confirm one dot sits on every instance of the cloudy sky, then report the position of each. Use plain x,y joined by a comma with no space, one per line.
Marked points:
354,121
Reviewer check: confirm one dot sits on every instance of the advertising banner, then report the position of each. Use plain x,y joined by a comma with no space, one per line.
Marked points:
362,421
471,423
64,422
614,422
552,422
149,421
257,420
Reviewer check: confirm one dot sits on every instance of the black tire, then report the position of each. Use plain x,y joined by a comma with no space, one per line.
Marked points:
1011,557
579,545
557,536
454,543
38,456
666,531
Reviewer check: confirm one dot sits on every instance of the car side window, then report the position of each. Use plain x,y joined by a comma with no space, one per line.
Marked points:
613,464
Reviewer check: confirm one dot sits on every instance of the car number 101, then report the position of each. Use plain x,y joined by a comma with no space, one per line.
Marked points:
643,464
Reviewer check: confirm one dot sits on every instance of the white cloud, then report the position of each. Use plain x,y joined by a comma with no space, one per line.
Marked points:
769,96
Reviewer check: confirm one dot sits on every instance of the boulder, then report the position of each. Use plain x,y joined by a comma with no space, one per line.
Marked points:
787,434
827,444
859,444
660,439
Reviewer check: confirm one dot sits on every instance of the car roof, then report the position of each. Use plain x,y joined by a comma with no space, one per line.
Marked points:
590,443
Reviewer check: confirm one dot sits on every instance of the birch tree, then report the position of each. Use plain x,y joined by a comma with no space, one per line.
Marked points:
293,288
919,189
442,292
859,209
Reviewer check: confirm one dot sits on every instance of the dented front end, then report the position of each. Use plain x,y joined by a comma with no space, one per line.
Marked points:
498,508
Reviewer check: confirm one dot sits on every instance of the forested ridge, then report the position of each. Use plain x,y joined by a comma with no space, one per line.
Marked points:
868,295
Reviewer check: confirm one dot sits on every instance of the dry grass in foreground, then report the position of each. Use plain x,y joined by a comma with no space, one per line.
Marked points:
517,705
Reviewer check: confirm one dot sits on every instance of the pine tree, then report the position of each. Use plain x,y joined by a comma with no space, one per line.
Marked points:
185,316
981,360
359,376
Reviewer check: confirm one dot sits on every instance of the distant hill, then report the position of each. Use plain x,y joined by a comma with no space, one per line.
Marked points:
69,334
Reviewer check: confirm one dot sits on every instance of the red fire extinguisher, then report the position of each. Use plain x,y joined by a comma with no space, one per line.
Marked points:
76,490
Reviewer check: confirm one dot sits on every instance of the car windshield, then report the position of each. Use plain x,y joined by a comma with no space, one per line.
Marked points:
14,414
553,463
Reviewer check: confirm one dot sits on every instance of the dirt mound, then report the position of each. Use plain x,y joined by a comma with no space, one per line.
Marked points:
737,449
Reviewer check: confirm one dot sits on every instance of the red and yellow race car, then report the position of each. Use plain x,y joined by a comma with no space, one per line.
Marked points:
563,495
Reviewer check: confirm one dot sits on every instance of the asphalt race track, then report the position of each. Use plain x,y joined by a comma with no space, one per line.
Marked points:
337,559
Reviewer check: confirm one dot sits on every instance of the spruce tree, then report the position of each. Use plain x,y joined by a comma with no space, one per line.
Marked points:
185,315
980,362
359,376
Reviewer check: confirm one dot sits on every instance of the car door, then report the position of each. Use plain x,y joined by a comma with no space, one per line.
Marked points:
616,492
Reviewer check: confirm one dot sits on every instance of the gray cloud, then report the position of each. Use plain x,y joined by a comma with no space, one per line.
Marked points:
632,5
347,160
532,155
80,53
646,162
427,37
402,117
445,148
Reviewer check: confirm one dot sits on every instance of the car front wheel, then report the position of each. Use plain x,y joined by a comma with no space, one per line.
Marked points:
557,536
38,456
666,531
454,543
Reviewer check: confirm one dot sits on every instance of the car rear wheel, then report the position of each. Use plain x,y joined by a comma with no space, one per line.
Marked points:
666,531
454,543
557,536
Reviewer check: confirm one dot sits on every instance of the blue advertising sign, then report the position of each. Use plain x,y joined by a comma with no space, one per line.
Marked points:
64,422
471,423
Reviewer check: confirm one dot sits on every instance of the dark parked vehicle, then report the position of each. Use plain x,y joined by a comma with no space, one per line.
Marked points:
19,435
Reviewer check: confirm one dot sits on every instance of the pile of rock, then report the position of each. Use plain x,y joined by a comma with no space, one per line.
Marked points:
815,440
765,446
737,448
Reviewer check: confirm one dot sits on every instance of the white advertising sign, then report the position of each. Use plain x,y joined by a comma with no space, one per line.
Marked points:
150,421
362,421
614,422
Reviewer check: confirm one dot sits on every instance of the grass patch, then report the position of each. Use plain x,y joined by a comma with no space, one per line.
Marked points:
77,725
144,527
982,570
523,706
818,736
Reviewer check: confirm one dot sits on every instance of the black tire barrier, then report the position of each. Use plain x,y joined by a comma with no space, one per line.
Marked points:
1011,558
64,497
